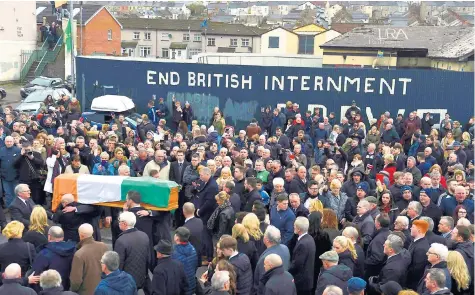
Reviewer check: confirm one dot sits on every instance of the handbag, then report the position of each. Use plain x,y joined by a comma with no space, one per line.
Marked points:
30,269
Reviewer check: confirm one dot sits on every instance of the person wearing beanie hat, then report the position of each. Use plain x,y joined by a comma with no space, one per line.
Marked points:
417,249
391,288
363,186
332,273
356,286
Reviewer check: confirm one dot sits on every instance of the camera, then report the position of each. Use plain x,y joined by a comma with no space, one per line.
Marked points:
29,153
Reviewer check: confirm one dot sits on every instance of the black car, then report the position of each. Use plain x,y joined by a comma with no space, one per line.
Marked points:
42,83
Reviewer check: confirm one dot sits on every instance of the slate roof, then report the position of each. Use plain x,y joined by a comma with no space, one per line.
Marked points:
343,28
438,41
88,11
214,28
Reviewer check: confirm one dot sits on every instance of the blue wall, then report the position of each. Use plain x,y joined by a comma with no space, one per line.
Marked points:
243,90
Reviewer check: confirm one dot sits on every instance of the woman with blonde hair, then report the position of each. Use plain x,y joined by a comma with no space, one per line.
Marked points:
118,159
447,141
252,224
459,272
37,233
407,292
15,250
222,219
437,168
346,251
335,199
315,206
244,244
390,167
225,176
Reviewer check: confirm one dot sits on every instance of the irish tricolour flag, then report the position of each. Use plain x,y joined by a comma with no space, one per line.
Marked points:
112,190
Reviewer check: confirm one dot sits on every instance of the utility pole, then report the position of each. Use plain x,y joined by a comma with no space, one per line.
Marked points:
71,19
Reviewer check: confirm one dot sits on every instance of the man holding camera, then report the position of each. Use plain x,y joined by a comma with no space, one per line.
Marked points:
28,165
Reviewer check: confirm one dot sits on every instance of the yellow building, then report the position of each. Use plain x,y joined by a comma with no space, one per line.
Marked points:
447,48
311,29
279,41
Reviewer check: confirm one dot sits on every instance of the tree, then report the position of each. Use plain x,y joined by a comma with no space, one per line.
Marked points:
196,9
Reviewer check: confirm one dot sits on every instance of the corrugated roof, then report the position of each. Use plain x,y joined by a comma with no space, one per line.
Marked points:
459,49
214,28
436,40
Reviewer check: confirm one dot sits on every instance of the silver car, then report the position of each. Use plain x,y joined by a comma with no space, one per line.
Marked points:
31,104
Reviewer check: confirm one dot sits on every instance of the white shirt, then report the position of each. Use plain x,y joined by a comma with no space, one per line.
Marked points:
24,202
189,218
234,254
301,236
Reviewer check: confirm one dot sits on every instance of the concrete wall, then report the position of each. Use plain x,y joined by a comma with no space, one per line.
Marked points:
322,39
457,66
17,33
358,58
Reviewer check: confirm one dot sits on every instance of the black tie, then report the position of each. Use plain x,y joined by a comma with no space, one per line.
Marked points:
179,167
28,205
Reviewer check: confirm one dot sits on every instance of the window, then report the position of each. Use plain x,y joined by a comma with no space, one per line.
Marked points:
109,35
273,42
148,36
194,52
136,35
165,53
233,43
179,52
186,37
306,44
245,42
145,51
211,42
165,37
197,37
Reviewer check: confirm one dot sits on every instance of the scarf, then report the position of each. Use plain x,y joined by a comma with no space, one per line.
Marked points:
216,213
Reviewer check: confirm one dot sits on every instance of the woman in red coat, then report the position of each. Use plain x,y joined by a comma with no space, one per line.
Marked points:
389,167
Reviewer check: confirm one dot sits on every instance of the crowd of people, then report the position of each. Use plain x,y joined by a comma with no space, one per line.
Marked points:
295,203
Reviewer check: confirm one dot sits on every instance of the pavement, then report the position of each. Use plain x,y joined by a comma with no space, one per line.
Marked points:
13,94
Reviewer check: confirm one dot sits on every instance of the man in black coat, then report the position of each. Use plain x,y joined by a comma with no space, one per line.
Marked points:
365,222
133,247
251,185
282,139
241,263
28,165
234,198
429,209
143,223
69,221
177,169
296,206
375,256
205,203
395,267
88,213
195,226
169,275
303,258
417,250
430,235
299,183
22,206
276,280
463,245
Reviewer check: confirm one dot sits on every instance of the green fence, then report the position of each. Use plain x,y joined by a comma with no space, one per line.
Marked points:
48,57
42,55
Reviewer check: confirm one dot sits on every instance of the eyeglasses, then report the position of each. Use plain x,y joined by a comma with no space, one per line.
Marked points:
313,188
463,212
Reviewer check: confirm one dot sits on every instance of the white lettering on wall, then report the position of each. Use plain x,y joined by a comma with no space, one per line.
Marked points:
150,79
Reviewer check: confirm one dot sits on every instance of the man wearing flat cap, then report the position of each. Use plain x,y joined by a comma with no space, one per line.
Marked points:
332,273
418,250
169,275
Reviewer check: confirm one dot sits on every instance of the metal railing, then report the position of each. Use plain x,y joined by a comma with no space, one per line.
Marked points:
48,57
34,56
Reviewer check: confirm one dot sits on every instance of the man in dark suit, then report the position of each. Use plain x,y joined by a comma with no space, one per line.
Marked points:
282,139
297,207
143,223
69,221
177,168
250,185
430,235
429,209
299,183
417,249
303,258
195,226
89,214
375,256
395,267
205,203
22,205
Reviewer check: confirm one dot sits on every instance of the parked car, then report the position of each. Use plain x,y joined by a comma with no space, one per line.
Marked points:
42,83
3,93
105,108
31,104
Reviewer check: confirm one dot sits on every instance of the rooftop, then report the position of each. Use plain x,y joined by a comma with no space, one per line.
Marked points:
438,41
88,11
214,28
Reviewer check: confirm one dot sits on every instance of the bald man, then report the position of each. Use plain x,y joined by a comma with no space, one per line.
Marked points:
12,281
86,269
276,280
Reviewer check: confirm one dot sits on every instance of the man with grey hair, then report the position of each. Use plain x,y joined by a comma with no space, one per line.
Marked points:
396,264
411,168
401,224
8,172
276,280
446,225
435,282
22,206
271,239
115,279
365,222
159,163
414,210
437,257
303,258
220,283
50,282
86,269
205,204
332,290
430,235
56,255
133,247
